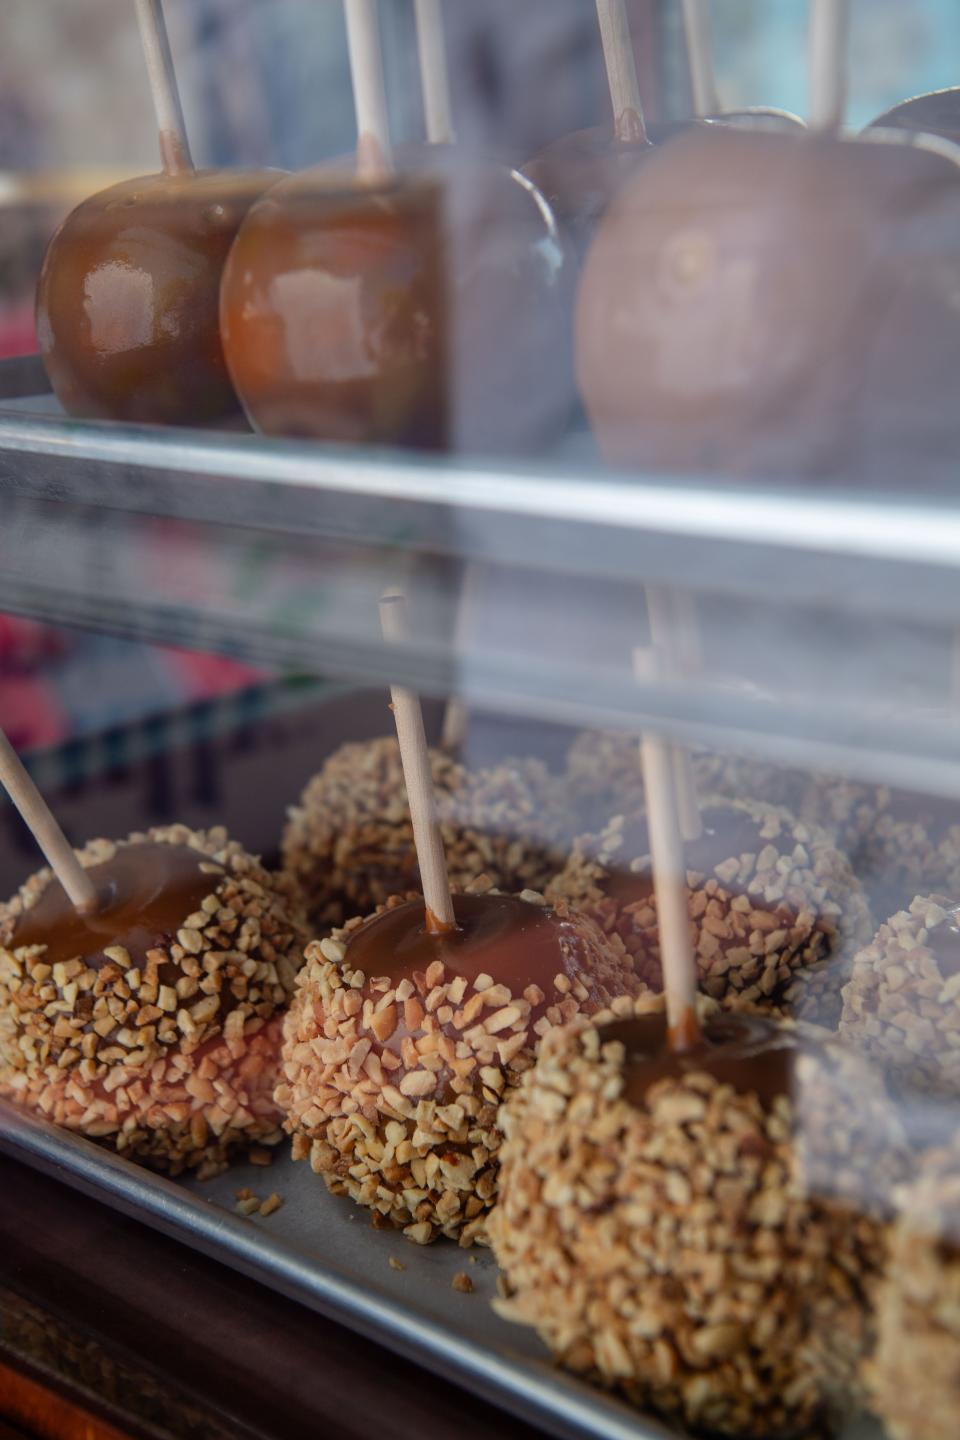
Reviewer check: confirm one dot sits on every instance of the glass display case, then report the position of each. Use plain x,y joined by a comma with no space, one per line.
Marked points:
658,446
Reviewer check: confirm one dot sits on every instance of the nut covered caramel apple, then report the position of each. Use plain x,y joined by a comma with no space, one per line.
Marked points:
128,298
153,1024
913,1378
760,303
348,844
774,907
400,1045
699,1231
901,1005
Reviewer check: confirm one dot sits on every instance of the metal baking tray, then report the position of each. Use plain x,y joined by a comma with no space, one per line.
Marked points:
323,1252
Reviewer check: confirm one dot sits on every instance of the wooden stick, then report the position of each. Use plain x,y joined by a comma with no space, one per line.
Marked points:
415,759
669,880
621,63
829,38
374,152
434,73
665,608
174,146
703,76
45,830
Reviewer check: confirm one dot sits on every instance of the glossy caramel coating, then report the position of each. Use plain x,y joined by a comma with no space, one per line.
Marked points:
754,1054
431,311
127,303
761,303
516,943
332,312
145,893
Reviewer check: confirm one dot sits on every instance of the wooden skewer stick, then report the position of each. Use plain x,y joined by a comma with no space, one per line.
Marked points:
669,881
434,73
829,38
45,830
415,758
174,145
670,612
621,63
374,152
703,76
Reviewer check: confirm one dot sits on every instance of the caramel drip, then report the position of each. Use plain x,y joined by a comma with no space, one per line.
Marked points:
728,833
752,1053
146,892
943,942
512,941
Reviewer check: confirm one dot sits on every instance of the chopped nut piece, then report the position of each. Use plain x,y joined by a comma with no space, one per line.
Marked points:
462,1282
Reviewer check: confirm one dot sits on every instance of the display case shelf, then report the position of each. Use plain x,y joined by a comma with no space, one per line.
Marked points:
827,618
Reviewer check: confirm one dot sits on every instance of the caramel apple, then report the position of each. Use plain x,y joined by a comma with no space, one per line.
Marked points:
152,1023
348,843
913,1378
400,1045
700,1231
332,312
424,311
127,303
761,303
774,908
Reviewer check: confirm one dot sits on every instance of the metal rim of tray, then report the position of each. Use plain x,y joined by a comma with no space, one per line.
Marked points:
541,1395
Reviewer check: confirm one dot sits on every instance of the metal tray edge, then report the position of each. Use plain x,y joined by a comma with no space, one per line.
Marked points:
573,1410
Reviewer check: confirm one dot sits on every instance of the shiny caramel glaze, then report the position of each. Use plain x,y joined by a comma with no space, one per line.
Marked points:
727,833
759,302
127,303
516,943
943,942
432,311
750,1052
146,892
332,312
